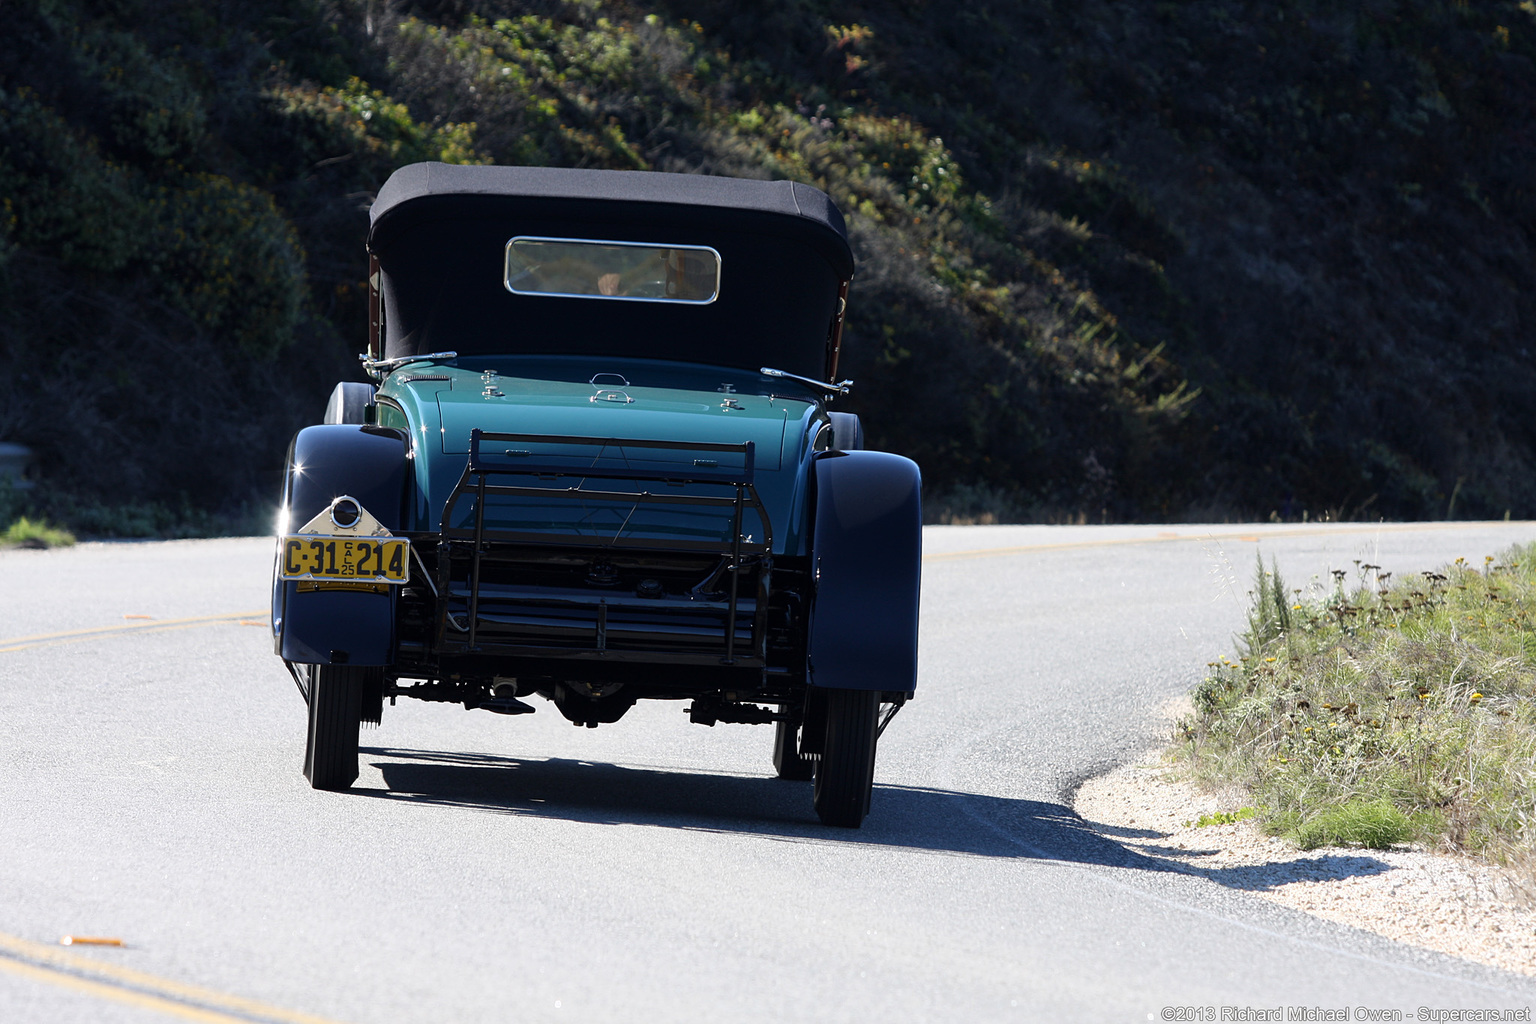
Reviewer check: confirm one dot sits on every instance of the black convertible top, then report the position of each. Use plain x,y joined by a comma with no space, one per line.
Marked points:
440,232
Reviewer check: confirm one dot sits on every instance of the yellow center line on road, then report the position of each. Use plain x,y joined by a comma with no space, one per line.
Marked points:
118,995
1171,537
19,643
136,988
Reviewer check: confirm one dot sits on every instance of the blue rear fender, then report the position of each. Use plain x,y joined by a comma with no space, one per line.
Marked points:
866,556
324,462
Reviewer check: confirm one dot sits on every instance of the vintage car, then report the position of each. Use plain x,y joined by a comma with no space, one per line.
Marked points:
598,467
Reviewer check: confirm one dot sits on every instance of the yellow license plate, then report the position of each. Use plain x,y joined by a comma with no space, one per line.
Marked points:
354,559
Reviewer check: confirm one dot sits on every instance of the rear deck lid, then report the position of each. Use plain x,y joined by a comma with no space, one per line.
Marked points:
542,408
610,410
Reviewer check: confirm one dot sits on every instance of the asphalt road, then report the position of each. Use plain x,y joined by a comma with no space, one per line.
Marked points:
495,869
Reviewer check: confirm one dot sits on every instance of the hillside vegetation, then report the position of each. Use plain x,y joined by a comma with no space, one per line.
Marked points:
1138,260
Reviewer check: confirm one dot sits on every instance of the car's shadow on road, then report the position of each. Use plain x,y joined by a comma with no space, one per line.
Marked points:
940,821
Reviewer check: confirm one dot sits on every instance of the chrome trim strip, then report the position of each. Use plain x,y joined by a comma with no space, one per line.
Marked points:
378,369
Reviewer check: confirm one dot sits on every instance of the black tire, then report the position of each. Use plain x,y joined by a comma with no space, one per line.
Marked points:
786,754
847,431
335,711
845,776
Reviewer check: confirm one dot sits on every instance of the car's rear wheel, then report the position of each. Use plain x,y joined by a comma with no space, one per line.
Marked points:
845,775
786,754
336,694
847,431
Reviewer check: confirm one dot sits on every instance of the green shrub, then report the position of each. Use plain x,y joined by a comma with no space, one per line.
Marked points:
152,109
362,124
61,196
218,251
228,259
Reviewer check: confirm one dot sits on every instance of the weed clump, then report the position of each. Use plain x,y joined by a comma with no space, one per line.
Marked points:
26,533
1372,823
1382,712
1222,818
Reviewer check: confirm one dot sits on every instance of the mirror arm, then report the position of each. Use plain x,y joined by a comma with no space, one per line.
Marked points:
832,390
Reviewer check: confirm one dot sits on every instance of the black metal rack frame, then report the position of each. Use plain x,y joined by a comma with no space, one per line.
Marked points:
476,480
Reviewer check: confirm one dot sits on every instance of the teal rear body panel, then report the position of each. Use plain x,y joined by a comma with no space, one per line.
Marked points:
439,405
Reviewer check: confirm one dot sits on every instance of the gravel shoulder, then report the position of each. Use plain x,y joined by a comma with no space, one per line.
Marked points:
1450,904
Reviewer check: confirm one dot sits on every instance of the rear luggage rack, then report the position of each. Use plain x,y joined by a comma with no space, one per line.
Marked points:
515,616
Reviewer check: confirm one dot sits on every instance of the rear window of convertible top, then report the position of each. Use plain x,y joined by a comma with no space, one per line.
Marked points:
592,269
